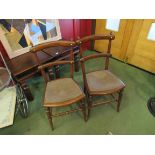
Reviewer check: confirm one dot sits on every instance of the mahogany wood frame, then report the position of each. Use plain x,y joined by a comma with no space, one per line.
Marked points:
41,47
48,107
107,55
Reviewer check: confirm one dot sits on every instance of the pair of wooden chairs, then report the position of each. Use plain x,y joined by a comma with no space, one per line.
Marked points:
63,92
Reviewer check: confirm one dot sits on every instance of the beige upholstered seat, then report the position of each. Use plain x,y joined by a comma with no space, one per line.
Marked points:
60,91
103,81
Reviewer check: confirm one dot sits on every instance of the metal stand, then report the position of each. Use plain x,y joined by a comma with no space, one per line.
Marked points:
151,105
21,100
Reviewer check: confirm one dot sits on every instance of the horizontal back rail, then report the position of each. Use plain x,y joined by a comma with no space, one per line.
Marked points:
95,56
56,63
51,64
52,44
95,37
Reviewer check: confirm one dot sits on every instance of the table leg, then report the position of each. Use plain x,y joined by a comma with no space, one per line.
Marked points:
76,62
51,74
57,71
27,91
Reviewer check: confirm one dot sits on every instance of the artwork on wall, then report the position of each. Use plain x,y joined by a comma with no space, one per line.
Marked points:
19,35
151,34
113,24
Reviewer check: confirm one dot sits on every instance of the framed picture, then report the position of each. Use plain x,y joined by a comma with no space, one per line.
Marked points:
19,35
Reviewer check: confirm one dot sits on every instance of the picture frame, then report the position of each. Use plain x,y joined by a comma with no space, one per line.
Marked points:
35,31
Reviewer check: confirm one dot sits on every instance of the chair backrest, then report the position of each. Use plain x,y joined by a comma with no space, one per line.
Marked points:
83,40
52,64
40,47
107,54
63,43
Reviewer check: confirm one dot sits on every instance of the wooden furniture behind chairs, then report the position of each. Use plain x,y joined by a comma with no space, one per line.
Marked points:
60,92
25,66
100,82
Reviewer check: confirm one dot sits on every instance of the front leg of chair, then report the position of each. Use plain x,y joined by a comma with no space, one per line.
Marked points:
49,115
119,100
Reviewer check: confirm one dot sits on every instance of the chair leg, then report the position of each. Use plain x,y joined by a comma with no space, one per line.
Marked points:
119,100
83,106
88,101
85,90
49,115
90,98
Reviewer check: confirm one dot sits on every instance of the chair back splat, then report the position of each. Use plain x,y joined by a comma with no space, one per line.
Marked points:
108,37
55,64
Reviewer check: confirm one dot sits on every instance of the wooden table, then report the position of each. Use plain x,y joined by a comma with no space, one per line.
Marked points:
25,66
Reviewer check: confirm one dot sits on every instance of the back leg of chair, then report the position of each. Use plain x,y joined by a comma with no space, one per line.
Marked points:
49,115
89,106
76,62
119,99
87,101
83,106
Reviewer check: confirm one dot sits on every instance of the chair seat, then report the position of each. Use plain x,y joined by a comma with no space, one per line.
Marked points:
62,92
103,82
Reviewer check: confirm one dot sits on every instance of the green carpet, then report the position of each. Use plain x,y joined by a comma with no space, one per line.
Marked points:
133,118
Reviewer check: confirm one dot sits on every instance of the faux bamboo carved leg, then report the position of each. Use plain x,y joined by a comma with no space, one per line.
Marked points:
27,91
119,100
49,115
76,62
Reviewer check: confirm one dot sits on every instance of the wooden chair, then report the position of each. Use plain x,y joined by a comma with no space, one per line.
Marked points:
60,92
100,82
